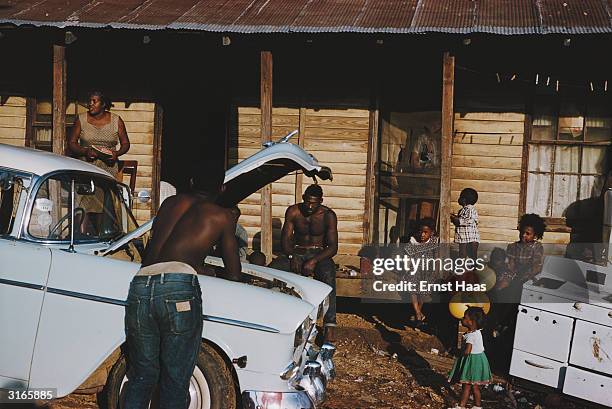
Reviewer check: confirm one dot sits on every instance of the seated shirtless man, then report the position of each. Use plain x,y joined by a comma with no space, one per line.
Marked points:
163,319
310,239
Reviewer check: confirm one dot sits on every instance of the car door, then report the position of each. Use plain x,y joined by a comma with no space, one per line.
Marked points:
81,319
23,277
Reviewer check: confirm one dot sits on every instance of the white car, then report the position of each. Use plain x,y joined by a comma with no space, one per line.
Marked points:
70,246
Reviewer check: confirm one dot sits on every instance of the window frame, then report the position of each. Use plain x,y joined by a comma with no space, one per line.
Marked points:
557,224
27,180
24,233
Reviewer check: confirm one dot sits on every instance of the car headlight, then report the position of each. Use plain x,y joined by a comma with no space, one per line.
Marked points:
323,307
303,332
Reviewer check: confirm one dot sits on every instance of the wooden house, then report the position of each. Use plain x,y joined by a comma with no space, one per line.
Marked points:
408,102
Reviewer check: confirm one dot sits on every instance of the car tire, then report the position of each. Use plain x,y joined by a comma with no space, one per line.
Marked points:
212,384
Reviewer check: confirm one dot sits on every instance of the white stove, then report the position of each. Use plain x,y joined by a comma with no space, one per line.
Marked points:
563,335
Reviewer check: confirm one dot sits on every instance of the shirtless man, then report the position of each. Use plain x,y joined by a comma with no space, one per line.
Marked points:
163,320
310,239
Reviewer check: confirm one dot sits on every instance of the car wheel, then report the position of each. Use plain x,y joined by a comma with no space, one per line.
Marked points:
211,385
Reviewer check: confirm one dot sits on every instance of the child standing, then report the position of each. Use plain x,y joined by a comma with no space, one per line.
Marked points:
472,368
425,246
466,224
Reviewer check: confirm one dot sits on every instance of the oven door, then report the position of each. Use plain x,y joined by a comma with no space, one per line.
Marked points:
592,347
543,333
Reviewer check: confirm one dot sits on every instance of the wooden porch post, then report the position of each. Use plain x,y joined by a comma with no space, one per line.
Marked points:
157,152
369,235
59,99
299,176
266,134
448,89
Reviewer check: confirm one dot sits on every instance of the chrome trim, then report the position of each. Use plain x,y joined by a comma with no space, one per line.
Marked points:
71,248
84,296
289,371
313,382
325,358
98,298
238,323
288,400
22,284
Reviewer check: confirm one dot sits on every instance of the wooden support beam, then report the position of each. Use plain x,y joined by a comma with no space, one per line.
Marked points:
266,134
448,90
299,177
157,152
524,167
372,164
30,117
59,99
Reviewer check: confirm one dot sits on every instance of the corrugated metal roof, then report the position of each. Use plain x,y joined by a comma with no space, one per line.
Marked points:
506,17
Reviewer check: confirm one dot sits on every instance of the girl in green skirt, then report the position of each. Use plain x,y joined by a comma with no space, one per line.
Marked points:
472,368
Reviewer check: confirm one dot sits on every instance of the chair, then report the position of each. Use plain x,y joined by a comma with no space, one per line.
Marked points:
129,167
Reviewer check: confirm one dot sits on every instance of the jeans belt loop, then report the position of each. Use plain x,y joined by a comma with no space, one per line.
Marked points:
161,280
148,280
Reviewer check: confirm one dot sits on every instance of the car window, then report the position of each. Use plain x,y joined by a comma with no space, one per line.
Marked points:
50,218
10,194
99,211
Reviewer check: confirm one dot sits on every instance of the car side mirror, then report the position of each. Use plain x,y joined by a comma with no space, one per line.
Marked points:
85,189
144,196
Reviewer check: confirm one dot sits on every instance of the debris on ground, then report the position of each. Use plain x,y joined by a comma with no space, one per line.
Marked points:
379,367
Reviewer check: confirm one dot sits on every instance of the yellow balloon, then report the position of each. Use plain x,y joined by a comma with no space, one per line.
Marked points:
487,277
460,302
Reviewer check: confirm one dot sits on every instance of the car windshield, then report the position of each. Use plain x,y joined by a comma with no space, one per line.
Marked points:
100,213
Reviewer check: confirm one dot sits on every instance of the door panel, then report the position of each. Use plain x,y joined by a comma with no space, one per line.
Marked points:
23,276
81,319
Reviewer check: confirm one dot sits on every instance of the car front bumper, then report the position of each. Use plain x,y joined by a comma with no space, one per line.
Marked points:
310,384
276,400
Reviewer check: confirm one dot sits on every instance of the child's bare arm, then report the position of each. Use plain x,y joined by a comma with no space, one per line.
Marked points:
468,349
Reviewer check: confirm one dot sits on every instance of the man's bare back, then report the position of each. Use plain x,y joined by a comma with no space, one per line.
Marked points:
187,227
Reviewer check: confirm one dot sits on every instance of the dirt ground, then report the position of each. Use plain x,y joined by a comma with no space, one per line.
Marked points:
385,367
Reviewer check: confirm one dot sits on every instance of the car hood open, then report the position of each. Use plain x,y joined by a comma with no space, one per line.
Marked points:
250,175
267,166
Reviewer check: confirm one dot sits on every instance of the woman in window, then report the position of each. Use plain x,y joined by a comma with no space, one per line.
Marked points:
97,132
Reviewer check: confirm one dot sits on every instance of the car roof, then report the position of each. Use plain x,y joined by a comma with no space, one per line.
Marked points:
40,162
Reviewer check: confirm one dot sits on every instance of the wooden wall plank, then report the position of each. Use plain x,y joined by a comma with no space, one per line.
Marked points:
491,116
486,162
496,186
13,101
336,122
494,127
490,198
511,175
489,139
504,151
12,134
13,121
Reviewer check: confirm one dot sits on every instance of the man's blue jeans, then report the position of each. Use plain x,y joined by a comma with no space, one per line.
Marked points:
163,326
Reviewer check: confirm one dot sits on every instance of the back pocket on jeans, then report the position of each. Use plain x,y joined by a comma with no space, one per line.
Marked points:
183,314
